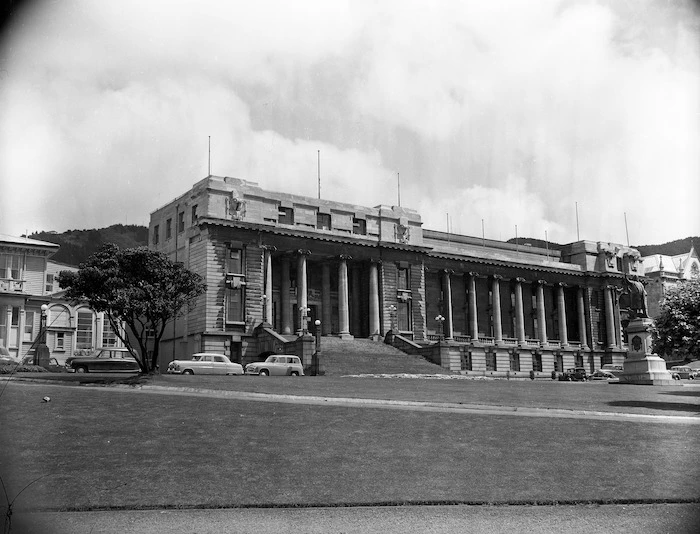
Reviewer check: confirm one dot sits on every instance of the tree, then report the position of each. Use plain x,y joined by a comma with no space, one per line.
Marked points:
678,325
137,287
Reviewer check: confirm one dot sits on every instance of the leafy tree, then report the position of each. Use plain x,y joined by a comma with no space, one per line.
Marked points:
138,287
678,325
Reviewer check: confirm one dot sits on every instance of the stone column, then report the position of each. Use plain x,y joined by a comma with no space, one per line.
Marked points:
473,318
302,287
268,283
561,315
374,326
541,315
343,315
609,318
285,302
519,315
447,299
581,311
326,312
356,293
496,295
616,317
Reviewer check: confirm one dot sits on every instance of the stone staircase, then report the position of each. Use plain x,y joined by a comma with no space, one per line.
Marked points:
364,356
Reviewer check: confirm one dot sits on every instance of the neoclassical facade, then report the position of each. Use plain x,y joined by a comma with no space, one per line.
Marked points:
285,261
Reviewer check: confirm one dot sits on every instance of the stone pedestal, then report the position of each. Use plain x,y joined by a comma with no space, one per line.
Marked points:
641,366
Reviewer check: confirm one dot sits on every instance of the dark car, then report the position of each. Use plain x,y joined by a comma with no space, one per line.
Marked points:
109,359
575,374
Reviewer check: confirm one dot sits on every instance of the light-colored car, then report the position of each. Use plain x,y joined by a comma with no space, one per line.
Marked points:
601,374
276,364
680,371
205,363
107,359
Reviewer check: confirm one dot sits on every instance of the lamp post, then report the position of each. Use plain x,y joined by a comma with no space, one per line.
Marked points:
440,319
318,368
317,322
42,353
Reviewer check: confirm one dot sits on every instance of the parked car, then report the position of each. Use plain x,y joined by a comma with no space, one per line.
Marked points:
576,374
611,368
601,374
276,364
678,372
204,363
107,359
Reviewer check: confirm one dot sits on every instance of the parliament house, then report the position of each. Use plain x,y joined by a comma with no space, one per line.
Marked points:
278,266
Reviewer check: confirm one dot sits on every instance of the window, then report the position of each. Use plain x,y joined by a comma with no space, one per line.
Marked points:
578,360
323,221
359,226
491,361
194,215
49,282
537,362
28,326
60,341
466,361
109,338
168,229
10,266
156,234
618,264
285,215
514,361
404,316
235,285
84,331
402,281
180,222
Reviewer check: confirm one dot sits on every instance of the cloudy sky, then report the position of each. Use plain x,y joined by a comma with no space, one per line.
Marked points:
507,112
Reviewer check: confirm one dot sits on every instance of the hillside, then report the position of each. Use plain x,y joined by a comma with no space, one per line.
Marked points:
78,245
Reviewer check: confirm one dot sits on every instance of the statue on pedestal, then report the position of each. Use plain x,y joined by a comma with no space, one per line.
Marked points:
638,298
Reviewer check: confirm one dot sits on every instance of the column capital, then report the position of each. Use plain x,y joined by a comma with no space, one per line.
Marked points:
473,274
541,282
519,279
497,277
561,284
344,257
447,271
270,248
377,261
303,252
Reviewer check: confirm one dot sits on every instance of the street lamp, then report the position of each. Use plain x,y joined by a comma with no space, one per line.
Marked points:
440,319
42,353
317,322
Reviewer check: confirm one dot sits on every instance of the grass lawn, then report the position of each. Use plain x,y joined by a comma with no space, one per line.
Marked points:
113,448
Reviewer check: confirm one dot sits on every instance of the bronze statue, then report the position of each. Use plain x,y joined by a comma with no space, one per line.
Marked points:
638,297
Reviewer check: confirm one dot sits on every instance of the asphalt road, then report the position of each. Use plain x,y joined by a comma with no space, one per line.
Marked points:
621,519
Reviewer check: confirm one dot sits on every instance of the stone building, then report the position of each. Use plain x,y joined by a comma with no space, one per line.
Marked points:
277,262
664,272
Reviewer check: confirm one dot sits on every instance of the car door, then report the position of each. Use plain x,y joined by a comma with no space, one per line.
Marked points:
219,365
206,366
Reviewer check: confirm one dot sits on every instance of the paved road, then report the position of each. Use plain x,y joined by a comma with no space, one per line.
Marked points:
621,519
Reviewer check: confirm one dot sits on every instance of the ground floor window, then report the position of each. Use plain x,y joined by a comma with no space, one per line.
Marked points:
234,305
109,338
491,361
537,362
85,329
28,326
466,358
404,316
514,361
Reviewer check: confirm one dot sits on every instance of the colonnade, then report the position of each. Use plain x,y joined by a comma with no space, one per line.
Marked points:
302,287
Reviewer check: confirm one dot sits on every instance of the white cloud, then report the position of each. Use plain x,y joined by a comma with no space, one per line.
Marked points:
517,111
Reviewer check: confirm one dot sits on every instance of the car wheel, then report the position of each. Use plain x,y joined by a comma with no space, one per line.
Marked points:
188,372
81,369
294,373
264,372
